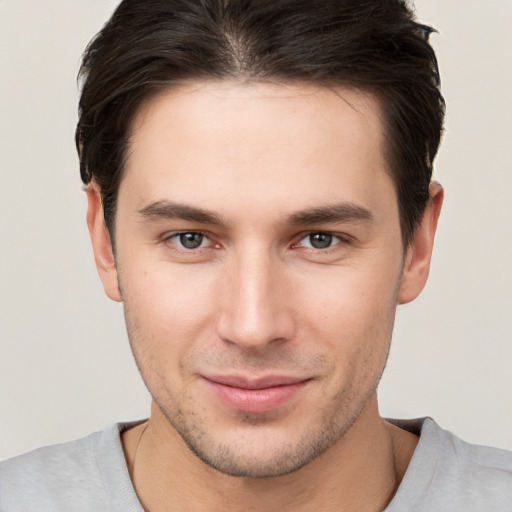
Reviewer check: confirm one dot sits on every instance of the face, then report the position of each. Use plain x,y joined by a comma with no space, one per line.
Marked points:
259,258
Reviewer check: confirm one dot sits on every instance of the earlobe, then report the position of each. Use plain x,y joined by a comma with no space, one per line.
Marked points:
101,243
419,253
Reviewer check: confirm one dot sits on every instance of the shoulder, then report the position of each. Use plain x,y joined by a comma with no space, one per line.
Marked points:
67,476
465,460
449,474
38,462
483,474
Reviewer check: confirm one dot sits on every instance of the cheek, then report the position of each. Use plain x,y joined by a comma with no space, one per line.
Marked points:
352,297
351,314
168,308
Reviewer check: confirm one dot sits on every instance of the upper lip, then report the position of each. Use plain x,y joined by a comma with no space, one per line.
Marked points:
269,381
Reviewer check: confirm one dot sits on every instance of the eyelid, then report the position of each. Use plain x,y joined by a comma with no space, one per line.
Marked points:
333,239
167,238
343,239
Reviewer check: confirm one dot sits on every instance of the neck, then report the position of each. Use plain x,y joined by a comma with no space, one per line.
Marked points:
361,471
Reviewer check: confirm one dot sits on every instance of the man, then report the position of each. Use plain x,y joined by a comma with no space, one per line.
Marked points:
259,198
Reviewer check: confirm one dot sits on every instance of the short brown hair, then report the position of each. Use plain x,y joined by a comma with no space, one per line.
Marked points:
373,45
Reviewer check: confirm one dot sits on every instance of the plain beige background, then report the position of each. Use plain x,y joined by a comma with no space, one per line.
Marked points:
65,364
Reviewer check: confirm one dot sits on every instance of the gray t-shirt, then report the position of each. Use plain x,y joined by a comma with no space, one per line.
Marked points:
90,475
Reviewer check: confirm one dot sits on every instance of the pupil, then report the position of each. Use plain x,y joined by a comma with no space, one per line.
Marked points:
191,240
320,240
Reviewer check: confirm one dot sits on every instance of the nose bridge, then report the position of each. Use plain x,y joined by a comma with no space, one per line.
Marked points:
255,311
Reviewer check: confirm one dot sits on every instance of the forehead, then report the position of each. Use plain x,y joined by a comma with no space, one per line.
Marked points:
265,143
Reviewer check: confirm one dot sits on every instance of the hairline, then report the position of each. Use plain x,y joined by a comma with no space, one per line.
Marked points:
335,86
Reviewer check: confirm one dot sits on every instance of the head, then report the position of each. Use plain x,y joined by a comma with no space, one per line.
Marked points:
263,168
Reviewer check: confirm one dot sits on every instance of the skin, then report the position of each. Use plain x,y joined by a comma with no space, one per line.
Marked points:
259,298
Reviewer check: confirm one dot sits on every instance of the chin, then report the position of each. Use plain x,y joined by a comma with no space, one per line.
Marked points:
231,461
258,449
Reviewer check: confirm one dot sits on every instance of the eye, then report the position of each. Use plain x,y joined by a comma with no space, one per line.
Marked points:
189,240
319,241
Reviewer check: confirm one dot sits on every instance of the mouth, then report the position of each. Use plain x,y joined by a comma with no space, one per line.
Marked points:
255,396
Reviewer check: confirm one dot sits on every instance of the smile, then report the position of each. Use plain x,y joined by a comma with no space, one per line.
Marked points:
255,396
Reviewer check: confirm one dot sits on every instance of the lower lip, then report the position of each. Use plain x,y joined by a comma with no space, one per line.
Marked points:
256,401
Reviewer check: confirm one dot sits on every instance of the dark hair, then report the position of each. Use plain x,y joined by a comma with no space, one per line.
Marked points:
373,45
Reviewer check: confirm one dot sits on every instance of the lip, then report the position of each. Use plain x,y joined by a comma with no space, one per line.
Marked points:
255,396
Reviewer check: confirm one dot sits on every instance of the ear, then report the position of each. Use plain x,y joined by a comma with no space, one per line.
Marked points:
101,244
419,253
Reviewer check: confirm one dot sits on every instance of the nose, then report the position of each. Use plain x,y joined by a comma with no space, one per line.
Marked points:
255,303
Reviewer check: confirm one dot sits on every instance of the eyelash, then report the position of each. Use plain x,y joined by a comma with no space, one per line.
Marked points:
169,237
341,240
331,237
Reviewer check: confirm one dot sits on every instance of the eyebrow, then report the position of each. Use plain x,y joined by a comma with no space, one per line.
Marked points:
343,212
167,210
